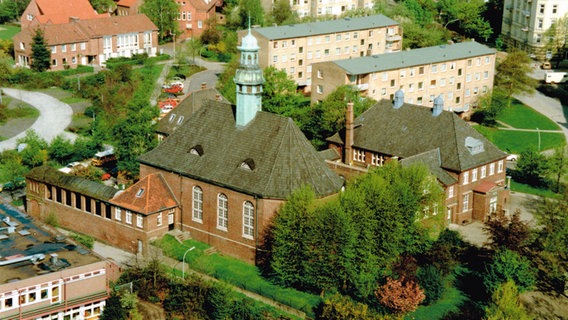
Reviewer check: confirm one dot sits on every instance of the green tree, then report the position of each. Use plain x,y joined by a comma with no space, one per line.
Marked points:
227,82
512,75
491,105
163,14
467,16
12,10
328,116
417,36
508,265
61,150
282,13
35,152
422,12
218,302
250,9
279,93
508,233
505,304
559,165
113,309
532,168
556,39
41,55
432,282
103,6
338,307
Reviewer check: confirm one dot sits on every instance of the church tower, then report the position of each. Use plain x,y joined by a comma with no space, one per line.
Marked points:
249,80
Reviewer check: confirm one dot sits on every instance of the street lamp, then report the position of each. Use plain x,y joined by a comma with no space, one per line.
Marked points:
183,262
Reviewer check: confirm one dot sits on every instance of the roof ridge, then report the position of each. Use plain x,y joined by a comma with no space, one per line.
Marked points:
274,163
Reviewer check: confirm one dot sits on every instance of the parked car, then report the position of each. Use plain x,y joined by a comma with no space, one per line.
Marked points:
70,167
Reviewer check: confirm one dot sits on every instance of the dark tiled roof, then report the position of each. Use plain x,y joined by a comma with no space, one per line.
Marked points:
171,121
412,129
149,195
431,159
52,176
329,154
280,156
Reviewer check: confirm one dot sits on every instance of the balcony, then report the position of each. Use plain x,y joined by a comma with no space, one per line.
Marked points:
362,86
393,37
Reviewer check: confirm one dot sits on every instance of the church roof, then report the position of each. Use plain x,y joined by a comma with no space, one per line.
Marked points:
411,130
149,195
270,157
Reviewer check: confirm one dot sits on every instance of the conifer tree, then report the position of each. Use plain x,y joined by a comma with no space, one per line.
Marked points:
41,56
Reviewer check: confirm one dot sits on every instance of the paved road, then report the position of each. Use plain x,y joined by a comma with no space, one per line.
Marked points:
54,117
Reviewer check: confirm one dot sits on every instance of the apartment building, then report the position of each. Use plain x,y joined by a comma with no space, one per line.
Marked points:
470,168
458,73
525,23
316,8
294,48
44,276
194,16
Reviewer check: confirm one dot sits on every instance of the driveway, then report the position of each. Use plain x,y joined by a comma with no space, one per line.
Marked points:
55,116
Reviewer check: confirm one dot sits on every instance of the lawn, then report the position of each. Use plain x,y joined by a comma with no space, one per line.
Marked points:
450,302
237,273
7,31
519,141
521,116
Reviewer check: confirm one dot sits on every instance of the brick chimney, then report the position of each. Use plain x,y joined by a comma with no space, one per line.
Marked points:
348,156
203,85
217,97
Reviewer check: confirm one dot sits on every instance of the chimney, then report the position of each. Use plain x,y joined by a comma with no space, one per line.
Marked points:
217,97
53,259
203,85
438,106
348,157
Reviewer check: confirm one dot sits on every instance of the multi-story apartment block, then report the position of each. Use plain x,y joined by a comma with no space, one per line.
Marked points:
469,167
295,48
458,73
43,276
525,23
316,8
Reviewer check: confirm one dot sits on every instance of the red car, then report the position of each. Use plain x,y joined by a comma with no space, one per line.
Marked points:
175,89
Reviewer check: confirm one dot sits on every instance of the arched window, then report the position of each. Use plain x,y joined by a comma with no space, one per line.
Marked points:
197,204
222,212
248,220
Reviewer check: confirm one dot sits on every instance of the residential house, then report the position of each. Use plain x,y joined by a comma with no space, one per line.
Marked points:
233,168
468,166
525,24
127,7
90,42
128,219
294,48
459,73
45,276
55,12
194,16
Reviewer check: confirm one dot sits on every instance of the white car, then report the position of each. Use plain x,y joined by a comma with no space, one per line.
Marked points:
69,167
512,157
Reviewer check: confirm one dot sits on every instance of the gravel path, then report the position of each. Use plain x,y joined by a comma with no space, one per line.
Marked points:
54,117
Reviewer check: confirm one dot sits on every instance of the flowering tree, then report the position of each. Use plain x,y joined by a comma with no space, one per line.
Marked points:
400,295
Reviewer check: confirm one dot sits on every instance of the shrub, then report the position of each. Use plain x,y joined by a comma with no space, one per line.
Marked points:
431,281
51,219
85,240
508,265
400,295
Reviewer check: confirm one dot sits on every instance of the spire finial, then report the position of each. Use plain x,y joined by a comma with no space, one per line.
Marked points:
249,20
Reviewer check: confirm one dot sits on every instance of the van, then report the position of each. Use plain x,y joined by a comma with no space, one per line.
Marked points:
555,77
103,157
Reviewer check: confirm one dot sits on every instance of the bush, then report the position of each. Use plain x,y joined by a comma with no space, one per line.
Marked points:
85,240
52,220
508,265
431,281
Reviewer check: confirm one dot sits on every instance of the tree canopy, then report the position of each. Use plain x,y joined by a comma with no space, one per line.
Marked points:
41,55
163,14
512,74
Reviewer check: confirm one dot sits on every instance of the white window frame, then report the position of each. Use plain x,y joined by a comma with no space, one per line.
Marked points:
117,214
159,219
128,217
248,220
222,212
474,175
465,202
139,221
491,169
197,204
466,177
483,172
500,166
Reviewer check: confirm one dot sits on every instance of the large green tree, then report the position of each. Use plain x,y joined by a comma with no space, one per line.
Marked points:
41,55
163,13
505,304
250,11
556,39
279,93
12,10
282,13
506,266
466,16
512,74
559,165
532,168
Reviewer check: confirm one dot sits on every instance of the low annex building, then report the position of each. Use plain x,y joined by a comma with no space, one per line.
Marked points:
127,219
458,73
469,167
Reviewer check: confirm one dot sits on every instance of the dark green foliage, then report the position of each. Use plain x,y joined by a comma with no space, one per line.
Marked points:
103,6
61,150
250,9
512,75
282,13
491,106
328,116
416,36
187,298
508,265
508,233
12,10
35,153
445,253
431,281
113,309
41,55
420,14
218,302
532,168
279,93
163,14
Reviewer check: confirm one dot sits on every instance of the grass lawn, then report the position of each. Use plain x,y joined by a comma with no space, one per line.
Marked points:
521,116
519,141
451,301
525,188
237,273
7,31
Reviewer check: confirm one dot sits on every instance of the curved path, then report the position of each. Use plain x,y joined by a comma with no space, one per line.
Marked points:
55,116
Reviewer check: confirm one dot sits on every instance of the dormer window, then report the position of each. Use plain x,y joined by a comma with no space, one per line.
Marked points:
30,17
180,120
474,146
248,164
197,150
140,192
172,117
